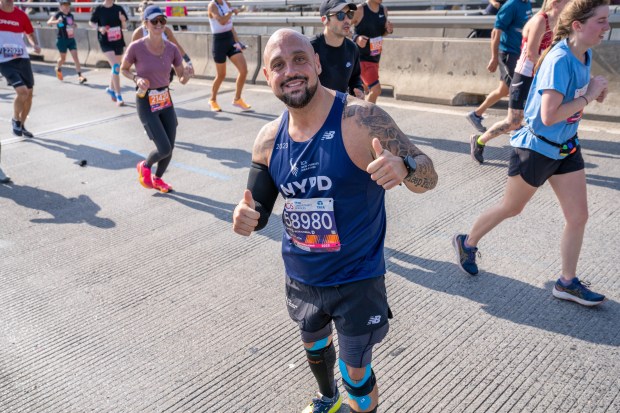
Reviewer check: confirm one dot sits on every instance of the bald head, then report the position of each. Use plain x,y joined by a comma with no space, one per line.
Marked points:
284,38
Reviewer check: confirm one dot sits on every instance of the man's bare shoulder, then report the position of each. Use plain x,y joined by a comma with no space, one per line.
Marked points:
263,145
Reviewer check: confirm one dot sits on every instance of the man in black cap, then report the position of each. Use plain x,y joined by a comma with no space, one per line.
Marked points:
339,56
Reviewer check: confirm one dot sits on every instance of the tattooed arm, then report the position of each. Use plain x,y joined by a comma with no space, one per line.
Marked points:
375,143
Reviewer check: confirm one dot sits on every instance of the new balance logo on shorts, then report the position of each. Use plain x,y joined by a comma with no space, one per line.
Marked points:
375,319
328,135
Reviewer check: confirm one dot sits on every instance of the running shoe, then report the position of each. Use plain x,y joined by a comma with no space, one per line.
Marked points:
4,178
241,104
119,101
476,149
144,175
160,185
82,80
26,132
323,404
111,93
214,106
476,121
578,292
59,73
17,127
465,257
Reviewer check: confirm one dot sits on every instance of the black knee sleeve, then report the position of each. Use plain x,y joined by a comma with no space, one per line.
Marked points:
322,363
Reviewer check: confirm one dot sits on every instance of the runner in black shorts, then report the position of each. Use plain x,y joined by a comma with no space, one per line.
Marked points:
15,61
505,49
226,44
537,36
332,245
547,148
110,20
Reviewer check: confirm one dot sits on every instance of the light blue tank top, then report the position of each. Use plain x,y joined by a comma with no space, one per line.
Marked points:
334,213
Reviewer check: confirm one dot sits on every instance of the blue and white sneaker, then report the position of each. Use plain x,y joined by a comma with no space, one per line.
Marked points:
476,121
111,93
323,404
465,257
578,292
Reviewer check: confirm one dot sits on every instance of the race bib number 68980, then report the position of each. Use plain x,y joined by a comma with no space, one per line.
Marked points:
311,224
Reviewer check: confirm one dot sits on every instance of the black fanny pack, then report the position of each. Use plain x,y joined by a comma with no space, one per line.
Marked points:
566,148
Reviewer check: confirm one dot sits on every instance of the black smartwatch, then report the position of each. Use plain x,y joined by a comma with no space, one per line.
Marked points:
410,164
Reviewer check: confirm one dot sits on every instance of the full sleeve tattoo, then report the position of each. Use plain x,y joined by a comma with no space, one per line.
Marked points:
380,125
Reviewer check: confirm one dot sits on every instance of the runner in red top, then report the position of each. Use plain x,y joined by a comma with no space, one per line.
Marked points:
15,61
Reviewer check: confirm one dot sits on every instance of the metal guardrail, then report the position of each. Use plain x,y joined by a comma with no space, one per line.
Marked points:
278,19
269,4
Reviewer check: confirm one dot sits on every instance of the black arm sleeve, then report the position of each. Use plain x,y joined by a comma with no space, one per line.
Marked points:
264,192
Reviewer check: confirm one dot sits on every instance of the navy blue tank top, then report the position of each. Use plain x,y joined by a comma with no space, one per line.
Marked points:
334,213
372,26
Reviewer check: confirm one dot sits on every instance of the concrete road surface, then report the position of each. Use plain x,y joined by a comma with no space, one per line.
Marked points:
115,298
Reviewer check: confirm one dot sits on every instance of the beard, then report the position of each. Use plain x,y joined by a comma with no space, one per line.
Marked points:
300,100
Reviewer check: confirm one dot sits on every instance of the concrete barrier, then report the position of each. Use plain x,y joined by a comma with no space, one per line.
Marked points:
453,71
196,46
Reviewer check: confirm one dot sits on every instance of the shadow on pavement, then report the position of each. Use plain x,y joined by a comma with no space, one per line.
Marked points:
80,210
231,157
95,157
513,300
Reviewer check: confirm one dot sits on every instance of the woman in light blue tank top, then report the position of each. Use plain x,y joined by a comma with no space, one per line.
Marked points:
547,147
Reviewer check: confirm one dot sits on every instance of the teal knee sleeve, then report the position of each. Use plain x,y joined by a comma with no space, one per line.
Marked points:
116,69
360,391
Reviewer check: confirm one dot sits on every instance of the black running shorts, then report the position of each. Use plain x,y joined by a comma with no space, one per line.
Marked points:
223,46
507,64
535,168
18,72
519,89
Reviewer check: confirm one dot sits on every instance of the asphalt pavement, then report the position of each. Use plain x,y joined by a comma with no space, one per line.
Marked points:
115,298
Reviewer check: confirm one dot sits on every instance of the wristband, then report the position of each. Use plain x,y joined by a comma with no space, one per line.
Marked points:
186,58
586,99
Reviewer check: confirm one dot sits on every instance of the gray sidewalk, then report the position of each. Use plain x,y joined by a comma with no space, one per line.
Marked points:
115,298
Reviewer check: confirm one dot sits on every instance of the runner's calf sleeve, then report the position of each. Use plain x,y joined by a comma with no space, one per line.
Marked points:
360,391
322,362
264,192
116,69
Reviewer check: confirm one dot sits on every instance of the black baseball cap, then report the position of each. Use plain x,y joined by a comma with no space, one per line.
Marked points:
334,6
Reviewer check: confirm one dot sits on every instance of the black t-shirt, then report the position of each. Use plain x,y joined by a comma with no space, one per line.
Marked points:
109,17
66,21
340,65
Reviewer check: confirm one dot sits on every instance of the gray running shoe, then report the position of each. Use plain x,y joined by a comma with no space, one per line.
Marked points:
476,121
17,127
476,148
4,179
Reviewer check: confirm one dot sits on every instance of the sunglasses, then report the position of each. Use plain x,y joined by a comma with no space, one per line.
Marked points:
159,19
340,15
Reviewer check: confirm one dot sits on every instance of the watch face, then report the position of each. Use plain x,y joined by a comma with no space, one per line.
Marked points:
410,163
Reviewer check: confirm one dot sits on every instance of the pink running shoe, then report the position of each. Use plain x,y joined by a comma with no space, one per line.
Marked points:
160,185
144,175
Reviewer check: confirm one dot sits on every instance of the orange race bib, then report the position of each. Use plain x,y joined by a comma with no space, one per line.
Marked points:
376,44
159,99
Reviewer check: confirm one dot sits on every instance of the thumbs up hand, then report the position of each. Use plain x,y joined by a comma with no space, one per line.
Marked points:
387,170
245,216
